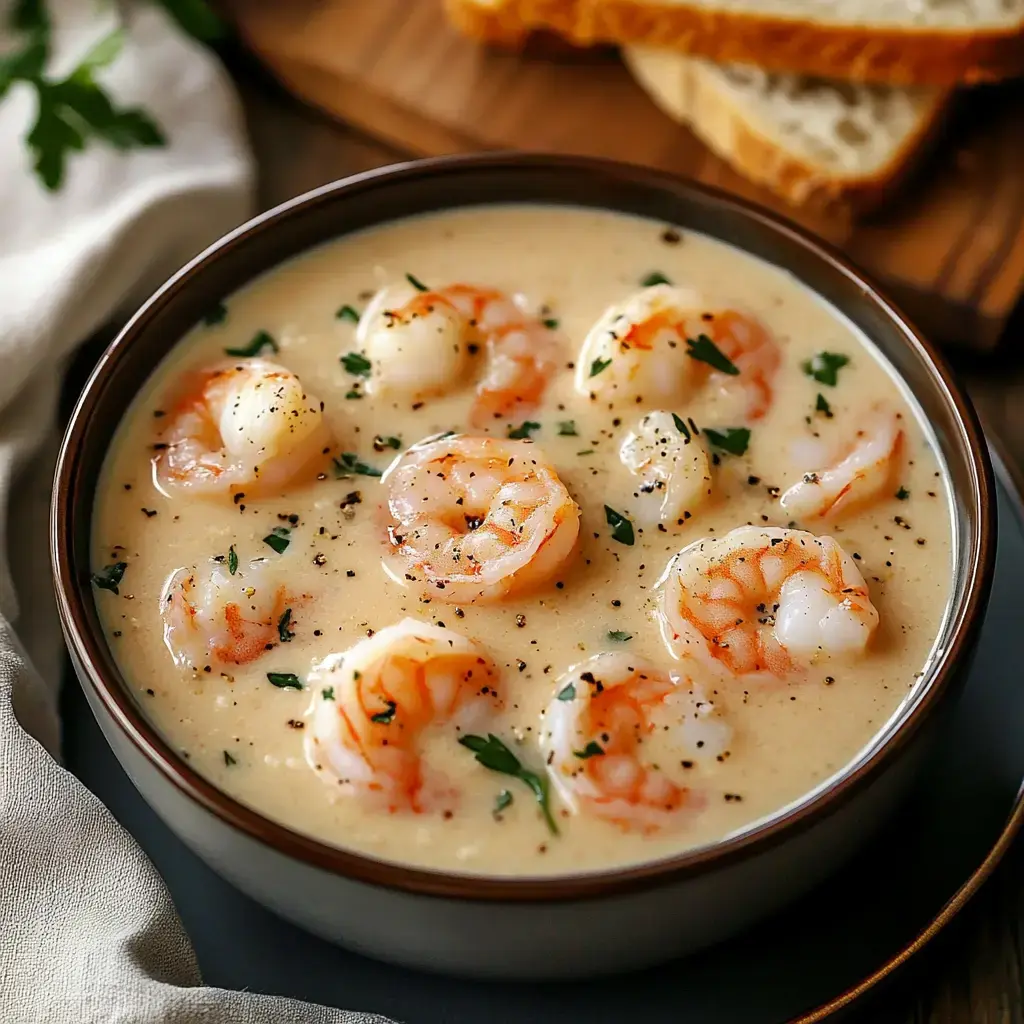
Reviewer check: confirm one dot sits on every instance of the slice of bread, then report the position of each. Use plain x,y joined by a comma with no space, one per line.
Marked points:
902,42
810,140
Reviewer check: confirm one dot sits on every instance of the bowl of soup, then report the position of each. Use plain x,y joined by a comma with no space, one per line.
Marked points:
520,565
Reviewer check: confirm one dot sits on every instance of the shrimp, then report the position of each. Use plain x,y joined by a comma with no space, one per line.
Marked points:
764,601
639,351
478,518
420,342
675,478
866,470
374,703
220,616
246,424
600,715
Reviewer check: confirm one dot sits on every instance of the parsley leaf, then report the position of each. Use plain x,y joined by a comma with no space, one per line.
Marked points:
522,431
327,693
416,283
278,539
217,315
734,440
592,749
619,636
387,716
284,631
493,754
109,577
567,428
903,494
232,560
598,365
195,18
681,426
825,367
622,528
348,464
285,680
653,278
380,443
501,801
357,364
260,341
348,313
821,405
72,110
550,323
706,351
228,759
567,692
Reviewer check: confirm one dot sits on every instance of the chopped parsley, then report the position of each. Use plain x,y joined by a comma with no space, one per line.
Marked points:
681,426
278,539
284,631
217,315
598,365
825,367
354,393
567,692
704,350
348,464
387,716
501,801
903,494
622,528
348,313
357,364
619,635
734,440
821,405
523,431
653,278
567,428
228,759
109,577
493,754
550,323
416,283
285,680
592,749
380,443
327,693
232,560
586,451
260,341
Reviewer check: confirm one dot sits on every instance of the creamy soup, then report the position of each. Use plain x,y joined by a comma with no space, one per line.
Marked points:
681,549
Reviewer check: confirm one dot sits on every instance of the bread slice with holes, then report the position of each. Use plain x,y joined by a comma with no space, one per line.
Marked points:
902,42
810,140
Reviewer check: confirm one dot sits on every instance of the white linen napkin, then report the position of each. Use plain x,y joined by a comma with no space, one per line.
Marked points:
88,933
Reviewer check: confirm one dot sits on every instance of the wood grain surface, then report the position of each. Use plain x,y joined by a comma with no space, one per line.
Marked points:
950,248
973,973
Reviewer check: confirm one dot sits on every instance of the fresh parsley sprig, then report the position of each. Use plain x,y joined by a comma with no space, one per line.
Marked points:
493,754
75,110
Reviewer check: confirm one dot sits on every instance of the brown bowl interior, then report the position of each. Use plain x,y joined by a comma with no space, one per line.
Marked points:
409,189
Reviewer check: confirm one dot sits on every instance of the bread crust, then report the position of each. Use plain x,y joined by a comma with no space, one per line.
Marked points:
894,56
712,114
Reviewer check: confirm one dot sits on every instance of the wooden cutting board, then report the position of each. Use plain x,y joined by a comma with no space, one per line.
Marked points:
950,249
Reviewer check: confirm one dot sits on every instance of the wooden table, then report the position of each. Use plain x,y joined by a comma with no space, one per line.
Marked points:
975,973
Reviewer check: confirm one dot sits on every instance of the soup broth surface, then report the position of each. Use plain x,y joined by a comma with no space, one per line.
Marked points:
250,737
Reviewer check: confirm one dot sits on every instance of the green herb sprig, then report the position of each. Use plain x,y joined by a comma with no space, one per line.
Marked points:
493,754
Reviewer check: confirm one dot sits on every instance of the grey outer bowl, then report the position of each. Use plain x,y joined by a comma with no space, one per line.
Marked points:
517,927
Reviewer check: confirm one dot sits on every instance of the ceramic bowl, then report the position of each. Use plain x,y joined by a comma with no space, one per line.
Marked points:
518,927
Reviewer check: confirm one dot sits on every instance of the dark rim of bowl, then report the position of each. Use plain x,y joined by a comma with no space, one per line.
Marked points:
90,650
